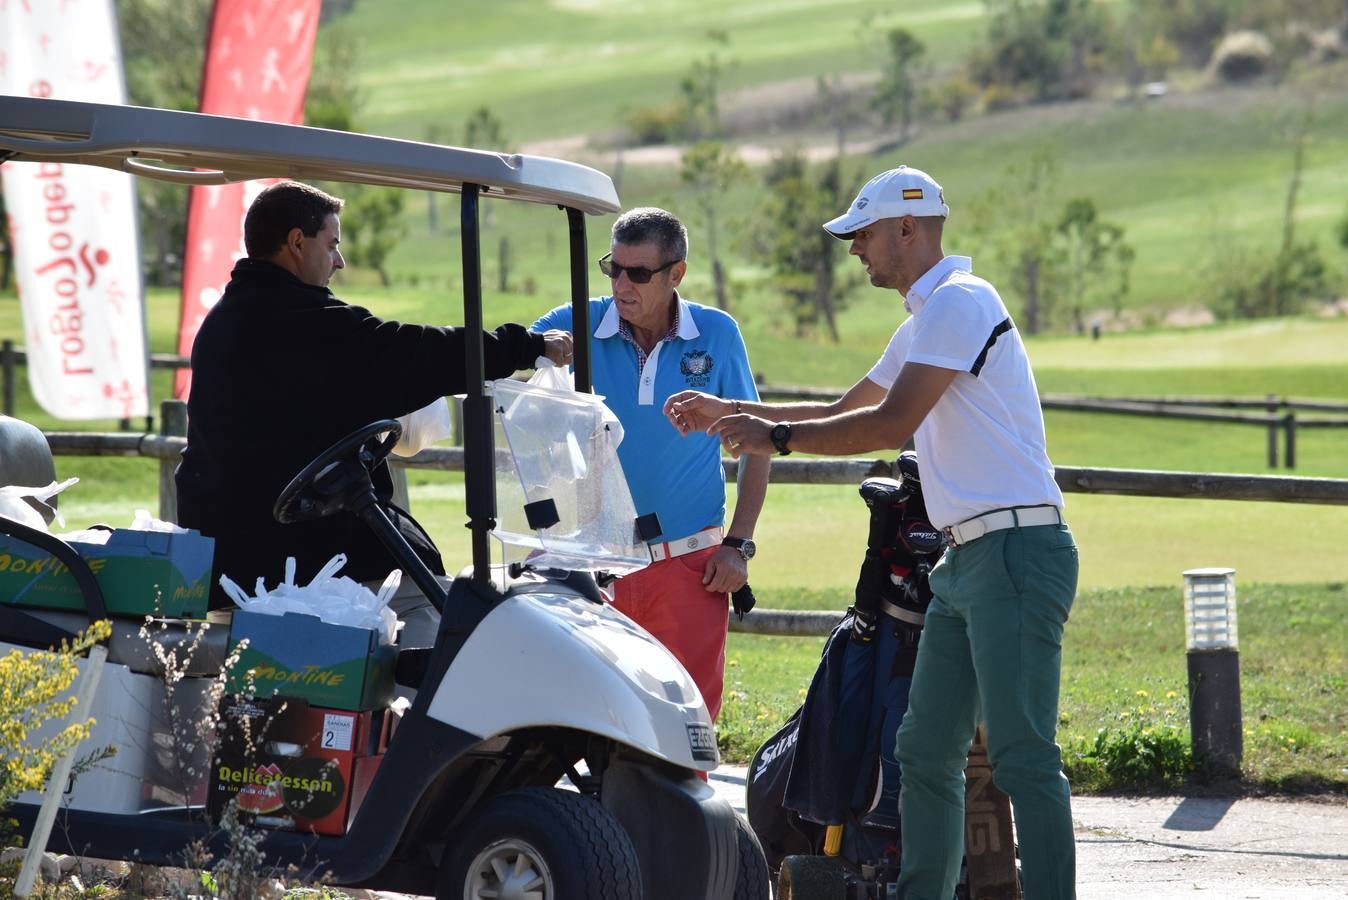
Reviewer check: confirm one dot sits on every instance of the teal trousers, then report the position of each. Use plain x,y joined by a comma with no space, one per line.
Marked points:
992,644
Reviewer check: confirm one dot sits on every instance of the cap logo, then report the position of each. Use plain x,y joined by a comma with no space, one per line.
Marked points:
912,193
861,203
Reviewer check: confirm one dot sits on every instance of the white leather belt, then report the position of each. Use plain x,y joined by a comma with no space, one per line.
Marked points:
707,537
1019,516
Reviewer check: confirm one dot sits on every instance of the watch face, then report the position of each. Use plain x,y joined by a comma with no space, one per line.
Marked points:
745,546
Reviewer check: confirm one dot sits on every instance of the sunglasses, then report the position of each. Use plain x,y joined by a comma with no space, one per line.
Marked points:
635,274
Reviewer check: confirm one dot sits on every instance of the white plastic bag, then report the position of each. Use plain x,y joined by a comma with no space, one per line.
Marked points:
14,505
424,427
142,521
333,598
551,376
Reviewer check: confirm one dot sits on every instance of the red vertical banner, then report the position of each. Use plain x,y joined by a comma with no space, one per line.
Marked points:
257,67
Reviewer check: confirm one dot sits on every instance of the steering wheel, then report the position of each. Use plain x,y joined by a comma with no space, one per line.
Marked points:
333,480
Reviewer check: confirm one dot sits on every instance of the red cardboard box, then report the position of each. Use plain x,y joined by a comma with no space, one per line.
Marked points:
292,765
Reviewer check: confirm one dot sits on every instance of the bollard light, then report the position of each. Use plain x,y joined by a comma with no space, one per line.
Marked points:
1210,609
1214,669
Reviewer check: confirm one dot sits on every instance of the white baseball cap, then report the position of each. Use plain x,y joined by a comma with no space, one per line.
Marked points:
899,192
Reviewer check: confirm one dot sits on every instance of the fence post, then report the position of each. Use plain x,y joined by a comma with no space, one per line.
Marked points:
1272,431
172,423
1289,426
7,375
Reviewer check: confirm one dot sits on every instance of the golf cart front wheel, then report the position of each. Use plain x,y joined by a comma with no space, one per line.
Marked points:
542,844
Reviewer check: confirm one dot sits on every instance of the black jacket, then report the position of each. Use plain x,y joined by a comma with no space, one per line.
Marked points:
281,370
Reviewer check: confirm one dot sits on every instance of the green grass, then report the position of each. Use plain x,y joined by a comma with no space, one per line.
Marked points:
1124,669
573,66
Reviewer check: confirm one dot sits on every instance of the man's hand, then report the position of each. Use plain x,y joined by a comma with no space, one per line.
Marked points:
557,346
726,571
744,434
690,411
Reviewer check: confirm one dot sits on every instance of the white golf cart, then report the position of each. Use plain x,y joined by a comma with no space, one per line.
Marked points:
533,680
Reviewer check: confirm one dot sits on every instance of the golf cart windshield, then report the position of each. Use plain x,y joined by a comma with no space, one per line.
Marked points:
196,149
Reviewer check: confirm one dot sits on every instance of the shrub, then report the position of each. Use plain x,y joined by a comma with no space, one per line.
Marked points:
1135,756
33,691
657,124
1243,55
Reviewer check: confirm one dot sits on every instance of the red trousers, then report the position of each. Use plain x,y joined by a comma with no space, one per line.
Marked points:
668,600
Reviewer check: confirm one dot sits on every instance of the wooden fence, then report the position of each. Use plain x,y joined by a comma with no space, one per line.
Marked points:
1279,417
167,447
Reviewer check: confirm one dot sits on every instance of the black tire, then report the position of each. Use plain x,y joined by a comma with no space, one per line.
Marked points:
810,878
565,843
752,881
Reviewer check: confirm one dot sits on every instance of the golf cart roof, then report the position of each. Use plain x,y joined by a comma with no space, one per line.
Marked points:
192,148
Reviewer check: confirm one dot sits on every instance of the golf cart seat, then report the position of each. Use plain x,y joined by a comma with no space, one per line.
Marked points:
26,460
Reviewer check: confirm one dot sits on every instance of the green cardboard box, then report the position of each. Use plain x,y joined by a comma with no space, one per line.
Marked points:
141,573
337,666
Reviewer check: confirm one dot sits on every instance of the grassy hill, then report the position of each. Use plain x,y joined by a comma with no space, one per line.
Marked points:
556,67
1197,178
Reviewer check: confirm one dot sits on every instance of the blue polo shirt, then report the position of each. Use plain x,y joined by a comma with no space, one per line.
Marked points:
678,478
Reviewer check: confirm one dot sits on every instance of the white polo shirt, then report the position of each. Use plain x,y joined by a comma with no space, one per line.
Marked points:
982,445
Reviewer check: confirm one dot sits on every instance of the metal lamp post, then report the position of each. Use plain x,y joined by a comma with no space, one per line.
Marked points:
1214,669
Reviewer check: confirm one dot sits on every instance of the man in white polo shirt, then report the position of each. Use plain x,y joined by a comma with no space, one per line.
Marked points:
955,378
648,342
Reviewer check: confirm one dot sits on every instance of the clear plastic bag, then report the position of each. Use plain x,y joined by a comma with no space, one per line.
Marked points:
424,427
556,444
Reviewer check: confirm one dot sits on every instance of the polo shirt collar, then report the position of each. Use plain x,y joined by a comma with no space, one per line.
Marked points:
608,325
925,286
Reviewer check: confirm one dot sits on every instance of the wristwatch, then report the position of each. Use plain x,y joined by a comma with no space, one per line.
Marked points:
745,546
781,436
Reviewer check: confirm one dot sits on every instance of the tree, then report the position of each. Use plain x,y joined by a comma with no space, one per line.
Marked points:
700,90
1052,48
1279,283
372,225
484,130
802,255
1093,261
710,169
163,48
898,80
1016,221
333,96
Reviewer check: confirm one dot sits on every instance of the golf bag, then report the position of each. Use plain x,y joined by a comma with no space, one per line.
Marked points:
832,763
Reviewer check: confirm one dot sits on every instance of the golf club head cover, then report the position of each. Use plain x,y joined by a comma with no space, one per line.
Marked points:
743,600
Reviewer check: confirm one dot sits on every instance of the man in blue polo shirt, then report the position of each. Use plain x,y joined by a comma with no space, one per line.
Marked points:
649,343
957,379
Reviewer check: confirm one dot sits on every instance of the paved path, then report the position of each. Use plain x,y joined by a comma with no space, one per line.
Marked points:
1167,848
1176,848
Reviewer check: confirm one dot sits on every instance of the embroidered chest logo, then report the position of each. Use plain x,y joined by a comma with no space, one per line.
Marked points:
696,368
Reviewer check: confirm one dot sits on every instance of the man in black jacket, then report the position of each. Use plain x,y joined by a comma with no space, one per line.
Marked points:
282,369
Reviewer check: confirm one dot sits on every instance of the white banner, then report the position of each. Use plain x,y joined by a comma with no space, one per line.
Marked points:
77,256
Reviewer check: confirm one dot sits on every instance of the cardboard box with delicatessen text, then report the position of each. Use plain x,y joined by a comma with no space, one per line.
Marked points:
295,766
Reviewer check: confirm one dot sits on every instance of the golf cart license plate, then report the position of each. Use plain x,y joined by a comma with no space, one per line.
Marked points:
703,743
